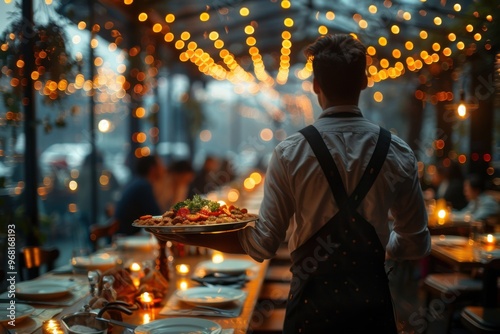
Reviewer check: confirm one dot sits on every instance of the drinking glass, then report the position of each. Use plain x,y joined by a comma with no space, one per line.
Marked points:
476,233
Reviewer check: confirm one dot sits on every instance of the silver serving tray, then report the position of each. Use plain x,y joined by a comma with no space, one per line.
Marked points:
198,229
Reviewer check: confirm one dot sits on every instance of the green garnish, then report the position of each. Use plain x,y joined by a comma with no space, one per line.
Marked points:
196,204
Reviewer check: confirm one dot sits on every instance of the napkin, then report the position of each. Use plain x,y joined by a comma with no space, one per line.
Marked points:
175,306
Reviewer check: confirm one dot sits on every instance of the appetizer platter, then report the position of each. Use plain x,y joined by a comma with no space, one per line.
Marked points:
197,215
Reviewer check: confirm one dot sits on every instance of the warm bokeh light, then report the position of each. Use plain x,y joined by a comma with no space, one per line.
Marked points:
378,97
72,185
169,18
104,125
204,17
244,11
330,15
266,134
249,183
205,135
382,41
233,195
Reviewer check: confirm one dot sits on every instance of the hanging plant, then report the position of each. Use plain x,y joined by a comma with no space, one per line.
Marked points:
52,64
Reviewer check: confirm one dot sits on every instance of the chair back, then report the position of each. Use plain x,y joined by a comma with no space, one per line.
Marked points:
33,258
490,283
98,232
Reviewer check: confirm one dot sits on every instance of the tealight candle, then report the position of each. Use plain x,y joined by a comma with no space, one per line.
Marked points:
135,267
442,216
146,300
135,274
182,269
182,284
489,242
52,326
217,257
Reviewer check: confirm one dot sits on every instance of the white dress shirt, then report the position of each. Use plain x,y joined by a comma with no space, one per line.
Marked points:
297,196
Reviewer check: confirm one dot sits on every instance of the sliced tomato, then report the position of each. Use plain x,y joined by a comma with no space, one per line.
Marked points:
244,210
146,217
193,217
231,208
183,212
215,213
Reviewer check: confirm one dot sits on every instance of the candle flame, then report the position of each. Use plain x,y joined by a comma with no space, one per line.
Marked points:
217,258
183,285
183,269
490,238
146,318
442,214
135,266
146,297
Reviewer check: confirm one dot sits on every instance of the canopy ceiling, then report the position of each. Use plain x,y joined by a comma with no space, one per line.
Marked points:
400,32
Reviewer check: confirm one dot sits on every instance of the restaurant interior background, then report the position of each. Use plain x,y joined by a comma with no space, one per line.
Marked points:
225,78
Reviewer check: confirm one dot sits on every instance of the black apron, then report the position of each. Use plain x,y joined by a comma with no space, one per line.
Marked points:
339,282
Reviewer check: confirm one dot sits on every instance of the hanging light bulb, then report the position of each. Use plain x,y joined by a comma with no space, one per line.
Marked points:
462,108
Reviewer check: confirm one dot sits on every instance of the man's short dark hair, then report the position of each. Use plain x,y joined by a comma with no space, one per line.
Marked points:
476,182
181,166
144,164
339,65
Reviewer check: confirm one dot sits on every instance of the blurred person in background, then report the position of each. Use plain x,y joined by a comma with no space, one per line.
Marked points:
448,183
481,206
176,183
206,179
138,197
106,184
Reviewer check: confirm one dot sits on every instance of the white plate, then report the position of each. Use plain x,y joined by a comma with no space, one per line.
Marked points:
215,296
179,326
449,240
101,262
41,290
229,266
22,311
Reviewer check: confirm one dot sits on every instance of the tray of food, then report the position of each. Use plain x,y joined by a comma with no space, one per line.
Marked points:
197,215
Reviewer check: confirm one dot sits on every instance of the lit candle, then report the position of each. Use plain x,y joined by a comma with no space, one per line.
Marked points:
182,269
217,257
52,326
135,274
146,300
135,267
442,216
182,284
489,243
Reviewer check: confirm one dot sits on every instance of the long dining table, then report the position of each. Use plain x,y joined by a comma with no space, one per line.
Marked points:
459,253
240,323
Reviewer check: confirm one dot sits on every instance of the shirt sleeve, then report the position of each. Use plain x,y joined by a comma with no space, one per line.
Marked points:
410,238
262,241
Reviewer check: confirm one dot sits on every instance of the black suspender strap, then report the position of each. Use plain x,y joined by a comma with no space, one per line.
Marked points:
327,164
373,168
331,171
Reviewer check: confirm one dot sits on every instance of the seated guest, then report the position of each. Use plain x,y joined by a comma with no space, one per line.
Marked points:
138,197
176,183
450,185
481,205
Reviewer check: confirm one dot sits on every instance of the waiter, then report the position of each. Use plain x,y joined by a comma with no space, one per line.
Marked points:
331,185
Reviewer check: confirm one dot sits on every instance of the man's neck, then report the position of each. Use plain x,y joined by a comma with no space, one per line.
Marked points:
339,102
